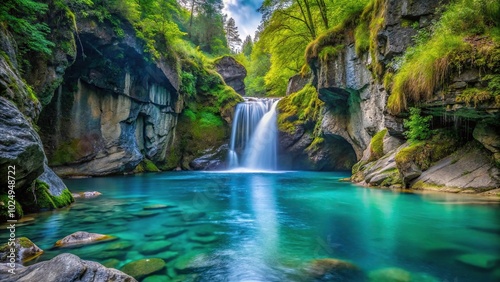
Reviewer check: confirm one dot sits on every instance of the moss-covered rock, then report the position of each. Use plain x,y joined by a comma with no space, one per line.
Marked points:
5,202
377,145
141,268
40,198
25,250
328,268
146,166
82,238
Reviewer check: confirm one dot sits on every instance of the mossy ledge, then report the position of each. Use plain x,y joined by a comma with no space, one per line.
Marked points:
40,198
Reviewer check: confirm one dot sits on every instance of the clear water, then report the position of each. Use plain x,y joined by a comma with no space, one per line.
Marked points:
269,226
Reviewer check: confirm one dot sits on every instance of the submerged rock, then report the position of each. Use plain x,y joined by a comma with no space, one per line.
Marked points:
157,278
192,262
157,207
204,239
87,195
174,232
395,274
64,267
330,269
81,238
155,247
144,267
483,261
25,251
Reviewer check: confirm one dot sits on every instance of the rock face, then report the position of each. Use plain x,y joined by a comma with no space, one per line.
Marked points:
469,170
111,114
64,267
21,150
25,251
20,146
232,72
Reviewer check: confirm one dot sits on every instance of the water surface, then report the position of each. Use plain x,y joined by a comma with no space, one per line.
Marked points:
270,226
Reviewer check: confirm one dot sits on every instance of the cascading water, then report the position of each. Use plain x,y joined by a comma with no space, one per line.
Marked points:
254,135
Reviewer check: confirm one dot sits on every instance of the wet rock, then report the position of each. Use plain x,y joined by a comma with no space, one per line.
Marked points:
64,267
482,261
155,247
146,213
25,250
232,72
157,278
20,146
81,238
119,246
212,159
111,263
330,269
87,195
192,215
144,267
394,274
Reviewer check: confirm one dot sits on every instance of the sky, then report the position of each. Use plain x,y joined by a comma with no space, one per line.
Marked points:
244,13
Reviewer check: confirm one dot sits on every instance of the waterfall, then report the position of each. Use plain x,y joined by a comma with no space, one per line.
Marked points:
254,135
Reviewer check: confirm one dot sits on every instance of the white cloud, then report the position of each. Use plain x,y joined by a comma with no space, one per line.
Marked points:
244,14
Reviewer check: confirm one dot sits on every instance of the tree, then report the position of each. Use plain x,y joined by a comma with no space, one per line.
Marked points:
232,36
247,46
20,17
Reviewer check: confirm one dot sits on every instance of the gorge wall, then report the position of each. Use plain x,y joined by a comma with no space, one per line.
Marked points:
348,118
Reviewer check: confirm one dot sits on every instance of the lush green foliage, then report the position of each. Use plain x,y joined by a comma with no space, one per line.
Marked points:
302,107
451,46
418,126
288,27
20,17
377,145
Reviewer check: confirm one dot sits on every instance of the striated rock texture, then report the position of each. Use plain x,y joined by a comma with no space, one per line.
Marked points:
232,72
114,108
64,267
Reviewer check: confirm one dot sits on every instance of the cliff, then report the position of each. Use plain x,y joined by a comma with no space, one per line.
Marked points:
356,115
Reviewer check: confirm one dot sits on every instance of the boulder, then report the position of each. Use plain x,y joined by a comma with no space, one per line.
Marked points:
470,168
64,267
481,261
330,269
20,147
212,159
489,136
25,251
232,72
87,195
144,267
81,238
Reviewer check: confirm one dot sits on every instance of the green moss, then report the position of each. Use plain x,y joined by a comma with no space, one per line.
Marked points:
474,95
66,153
362,38
330,52
453,46
316,144
377,145
393,178
40,198
426,153
302,107
4,209
146,166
